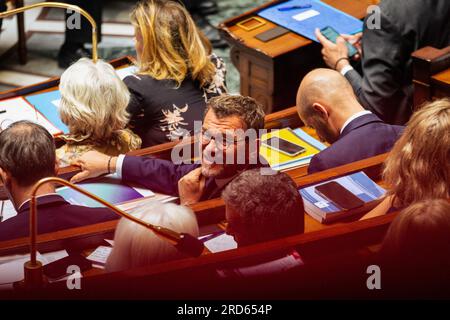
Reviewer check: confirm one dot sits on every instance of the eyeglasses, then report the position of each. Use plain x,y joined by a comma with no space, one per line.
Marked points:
221,140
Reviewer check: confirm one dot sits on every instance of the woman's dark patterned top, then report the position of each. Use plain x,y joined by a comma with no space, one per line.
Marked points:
161,112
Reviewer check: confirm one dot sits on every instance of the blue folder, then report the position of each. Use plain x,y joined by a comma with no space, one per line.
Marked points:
328,16
43,103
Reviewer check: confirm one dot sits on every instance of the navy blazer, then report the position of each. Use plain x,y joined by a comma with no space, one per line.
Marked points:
162,175
364,137
54,213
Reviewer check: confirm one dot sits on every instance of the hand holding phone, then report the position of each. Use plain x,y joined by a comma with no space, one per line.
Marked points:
332,35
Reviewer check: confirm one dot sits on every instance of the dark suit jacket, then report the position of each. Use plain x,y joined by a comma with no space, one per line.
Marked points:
364,137
54,213
163,175
386,86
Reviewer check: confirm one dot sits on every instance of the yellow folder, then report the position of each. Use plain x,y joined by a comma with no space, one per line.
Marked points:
276,158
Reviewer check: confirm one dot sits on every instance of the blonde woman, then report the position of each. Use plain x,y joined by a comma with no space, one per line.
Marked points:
136,246
177,73
418,167
93,106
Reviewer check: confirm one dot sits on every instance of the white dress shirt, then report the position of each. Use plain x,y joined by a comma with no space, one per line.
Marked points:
353,117
346,69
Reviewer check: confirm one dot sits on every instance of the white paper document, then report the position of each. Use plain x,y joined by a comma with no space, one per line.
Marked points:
7,210
128,71
306,15
223,242
16,109
12,269
100,256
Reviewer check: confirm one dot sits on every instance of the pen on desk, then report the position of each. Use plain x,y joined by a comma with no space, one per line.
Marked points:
306,6
2,111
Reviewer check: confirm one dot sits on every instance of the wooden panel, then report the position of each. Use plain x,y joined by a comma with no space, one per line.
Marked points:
321,246
430,74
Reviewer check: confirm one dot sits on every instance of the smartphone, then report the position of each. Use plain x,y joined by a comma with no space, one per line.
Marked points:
284,146
331,34
271,34
335,192
58,268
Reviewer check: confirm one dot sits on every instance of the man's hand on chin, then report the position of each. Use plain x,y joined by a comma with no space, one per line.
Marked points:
191,187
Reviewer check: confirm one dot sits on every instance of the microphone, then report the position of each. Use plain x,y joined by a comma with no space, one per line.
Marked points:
33,269
190,245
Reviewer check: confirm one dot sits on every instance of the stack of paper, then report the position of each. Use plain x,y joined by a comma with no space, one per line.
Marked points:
11,267
100,256
220,242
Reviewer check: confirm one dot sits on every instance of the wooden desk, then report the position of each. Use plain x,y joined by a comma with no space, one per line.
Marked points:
431,74
324,248
271,71
317,243
208,213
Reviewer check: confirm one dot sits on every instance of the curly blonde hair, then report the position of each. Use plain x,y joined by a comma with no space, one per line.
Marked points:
418,167
93,102
172,46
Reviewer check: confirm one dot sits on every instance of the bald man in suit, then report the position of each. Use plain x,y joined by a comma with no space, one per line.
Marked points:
327,103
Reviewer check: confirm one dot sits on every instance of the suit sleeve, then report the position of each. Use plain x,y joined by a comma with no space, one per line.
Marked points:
155,174
315,165
385,53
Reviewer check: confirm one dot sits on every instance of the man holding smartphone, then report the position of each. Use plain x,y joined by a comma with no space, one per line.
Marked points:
385,86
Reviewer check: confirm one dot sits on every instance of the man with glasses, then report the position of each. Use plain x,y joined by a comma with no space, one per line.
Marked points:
230,130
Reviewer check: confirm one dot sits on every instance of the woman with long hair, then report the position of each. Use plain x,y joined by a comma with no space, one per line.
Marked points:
418,167
177,73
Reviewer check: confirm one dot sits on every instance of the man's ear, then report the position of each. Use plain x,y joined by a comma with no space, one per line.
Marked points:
320,110
4,176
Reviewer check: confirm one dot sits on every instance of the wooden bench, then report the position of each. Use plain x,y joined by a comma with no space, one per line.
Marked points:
207,212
